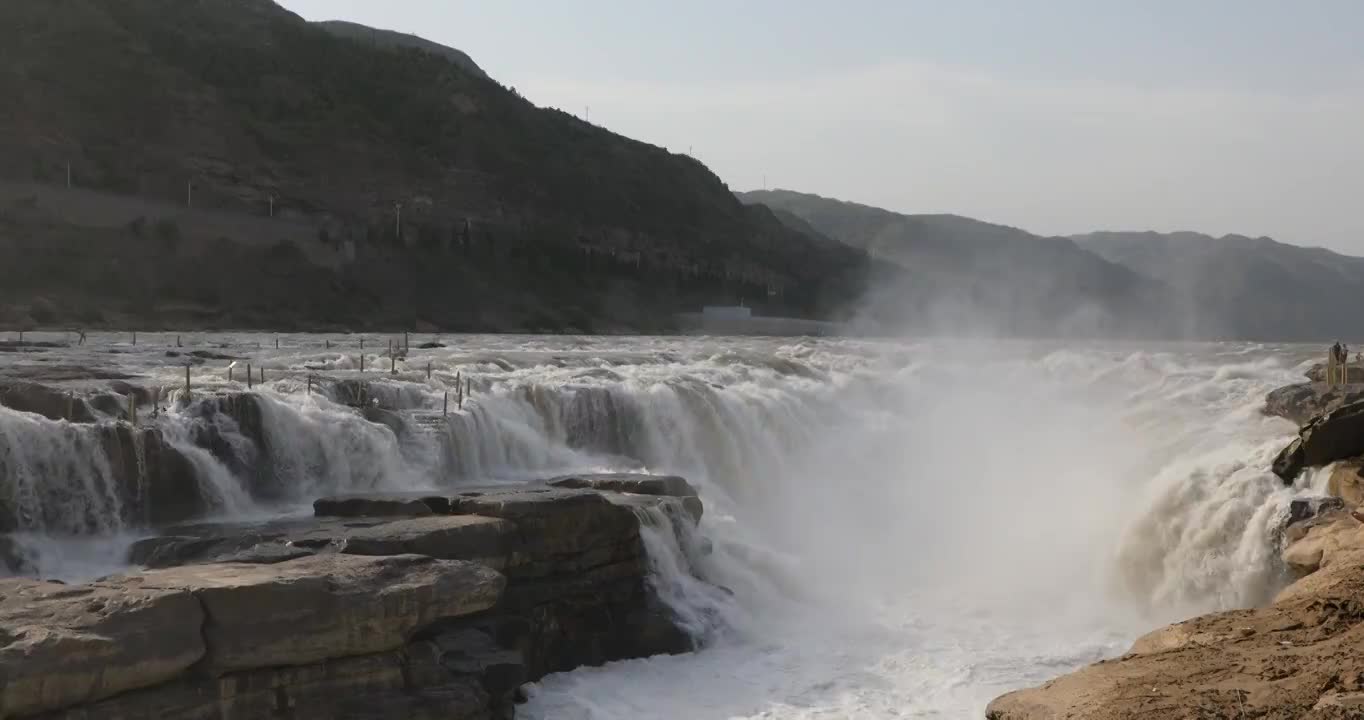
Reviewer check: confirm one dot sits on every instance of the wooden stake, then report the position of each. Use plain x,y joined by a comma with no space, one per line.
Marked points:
132,409
329,344
428,369
248,376
70,403
229,373
262,375
134,337
276,343
445,405
177,341
187,395
362,362
406,345
310,384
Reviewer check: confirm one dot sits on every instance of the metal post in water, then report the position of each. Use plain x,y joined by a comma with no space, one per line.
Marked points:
248,376
428,369
187,381
310,384
262,375
445,405
362,362
229,372
276,343
134,337
70,402
132,409
329,344
177,341
406,344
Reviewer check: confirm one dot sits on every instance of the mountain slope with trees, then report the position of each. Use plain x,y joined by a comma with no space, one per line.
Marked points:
436,195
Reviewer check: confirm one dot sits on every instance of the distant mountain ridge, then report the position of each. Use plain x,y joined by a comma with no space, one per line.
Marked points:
1196,285
1241,287
964,275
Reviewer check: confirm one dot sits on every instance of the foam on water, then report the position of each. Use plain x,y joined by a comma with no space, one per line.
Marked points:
891,529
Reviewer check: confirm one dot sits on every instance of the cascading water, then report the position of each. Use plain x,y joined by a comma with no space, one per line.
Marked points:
891,529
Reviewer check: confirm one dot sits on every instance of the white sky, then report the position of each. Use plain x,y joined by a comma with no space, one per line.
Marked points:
1060,117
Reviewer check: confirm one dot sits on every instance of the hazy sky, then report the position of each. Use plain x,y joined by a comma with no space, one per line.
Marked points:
1058,116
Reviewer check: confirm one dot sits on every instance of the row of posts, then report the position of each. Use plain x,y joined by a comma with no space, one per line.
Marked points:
392,345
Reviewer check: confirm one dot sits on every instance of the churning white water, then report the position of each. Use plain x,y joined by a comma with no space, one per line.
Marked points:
892,529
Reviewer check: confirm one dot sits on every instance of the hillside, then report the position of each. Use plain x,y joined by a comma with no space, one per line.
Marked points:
399,41
967,275
433,194
1240,287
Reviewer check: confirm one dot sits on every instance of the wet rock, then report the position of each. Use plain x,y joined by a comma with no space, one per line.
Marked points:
1337,435
159,481
431,345
63,645
321,607
15,559
1307,509
390,505
51,403
211,355
1303,402
639,484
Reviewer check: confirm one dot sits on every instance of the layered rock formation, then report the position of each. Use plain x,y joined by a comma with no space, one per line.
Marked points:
438,606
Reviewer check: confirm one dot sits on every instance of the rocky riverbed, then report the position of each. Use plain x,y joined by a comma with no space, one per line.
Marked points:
1301,656
386,606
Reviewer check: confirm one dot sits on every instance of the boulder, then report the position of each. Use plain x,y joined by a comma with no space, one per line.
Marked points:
62,645
322,607
1337,435
1347,482
1303,402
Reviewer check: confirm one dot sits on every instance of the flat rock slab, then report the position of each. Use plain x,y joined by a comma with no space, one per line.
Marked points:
63,645
321,607
459,537
635,483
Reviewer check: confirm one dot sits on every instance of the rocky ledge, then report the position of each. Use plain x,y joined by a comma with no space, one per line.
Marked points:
1302,656
430,605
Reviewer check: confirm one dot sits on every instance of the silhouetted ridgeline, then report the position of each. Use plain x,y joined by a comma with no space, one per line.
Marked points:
405,186
966,273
